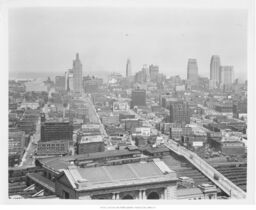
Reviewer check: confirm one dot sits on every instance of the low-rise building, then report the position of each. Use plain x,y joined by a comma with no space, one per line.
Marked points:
131,124
152,180
30,105
176,133
233,147
155,152
58,147
90,144
16,146
16,142
110,120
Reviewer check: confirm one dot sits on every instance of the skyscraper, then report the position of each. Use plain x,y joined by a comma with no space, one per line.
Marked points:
192,70
55,130
128,68
226,75
145,69
153,71
215,71
179,112
77,75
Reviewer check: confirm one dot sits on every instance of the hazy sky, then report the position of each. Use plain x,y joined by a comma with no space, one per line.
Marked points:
46,39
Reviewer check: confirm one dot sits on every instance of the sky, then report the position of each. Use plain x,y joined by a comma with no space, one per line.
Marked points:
45,40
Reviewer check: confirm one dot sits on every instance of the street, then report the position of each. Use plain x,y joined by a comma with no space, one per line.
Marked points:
28,157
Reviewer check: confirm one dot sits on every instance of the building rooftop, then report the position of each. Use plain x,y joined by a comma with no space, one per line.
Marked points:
90,126
57,163
90,139
118,175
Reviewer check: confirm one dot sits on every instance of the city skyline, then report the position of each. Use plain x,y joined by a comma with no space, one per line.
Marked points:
151,36
128,103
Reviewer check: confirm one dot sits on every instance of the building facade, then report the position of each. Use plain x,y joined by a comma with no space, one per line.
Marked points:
138,98
153,71
59,147
51,131
179,112
90,144
128,68
60,83
215,71
226,75
152,180
192,71
77,75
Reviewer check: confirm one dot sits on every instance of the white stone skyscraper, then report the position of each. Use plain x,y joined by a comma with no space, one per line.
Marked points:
226,75
128,68
215,71
192,71
77,75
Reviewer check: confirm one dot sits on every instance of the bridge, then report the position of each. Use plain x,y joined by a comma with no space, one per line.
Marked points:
216,177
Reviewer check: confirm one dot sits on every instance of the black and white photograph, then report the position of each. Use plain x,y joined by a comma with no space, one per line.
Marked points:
129,102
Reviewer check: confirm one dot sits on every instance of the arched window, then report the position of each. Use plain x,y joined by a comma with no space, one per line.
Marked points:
153,195
127,197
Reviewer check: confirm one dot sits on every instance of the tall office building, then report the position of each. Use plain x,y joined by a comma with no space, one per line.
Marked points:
52,130
226,75
77,75
128,68
153,71
145,71
179,112
138,98
215,71
192,71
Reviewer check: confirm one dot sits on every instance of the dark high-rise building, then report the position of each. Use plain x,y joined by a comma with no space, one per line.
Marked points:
60,83
128,68
215,71
77,75
52,130
192,71
179,112
138,98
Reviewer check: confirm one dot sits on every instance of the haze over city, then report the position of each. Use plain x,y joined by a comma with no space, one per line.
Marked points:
43,40
129,103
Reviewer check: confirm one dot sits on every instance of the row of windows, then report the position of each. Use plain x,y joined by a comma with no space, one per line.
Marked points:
54,149
52,145
60,146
